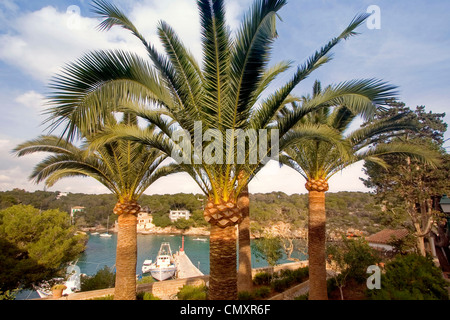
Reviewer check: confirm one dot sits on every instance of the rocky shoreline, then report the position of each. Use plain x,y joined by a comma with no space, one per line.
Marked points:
278,229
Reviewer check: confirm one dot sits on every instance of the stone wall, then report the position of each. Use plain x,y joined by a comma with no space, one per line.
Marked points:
164,289
167,289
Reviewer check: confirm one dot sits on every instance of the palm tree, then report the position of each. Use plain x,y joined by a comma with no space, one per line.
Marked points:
245,276
127,169
225,94
317,161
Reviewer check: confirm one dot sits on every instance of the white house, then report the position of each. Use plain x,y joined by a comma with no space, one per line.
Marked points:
74,210
175,215
144,221
61,194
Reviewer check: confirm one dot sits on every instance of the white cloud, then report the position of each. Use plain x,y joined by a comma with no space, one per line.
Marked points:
32,100
41,42
44,40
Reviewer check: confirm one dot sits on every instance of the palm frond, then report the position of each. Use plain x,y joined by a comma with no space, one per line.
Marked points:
251,55
416,152
51,144
216,55
87,91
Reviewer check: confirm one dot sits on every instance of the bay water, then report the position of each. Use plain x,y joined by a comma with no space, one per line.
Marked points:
101,252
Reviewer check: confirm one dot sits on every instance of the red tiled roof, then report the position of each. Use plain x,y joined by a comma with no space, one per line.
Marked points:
385,236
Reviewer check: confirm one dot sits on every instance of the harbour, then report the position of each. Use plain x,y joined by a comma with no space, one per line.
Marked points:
101,252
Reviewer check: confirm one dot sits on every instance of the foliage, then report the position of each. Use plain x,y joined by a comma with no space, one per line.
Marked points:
270,249
225,92
8,295
257,294
146,296
107,297
192,293
411,277
262,278
183,224
404,245
344,209
282,280
408,188
103,279
352,257
35,245
145,280
288,278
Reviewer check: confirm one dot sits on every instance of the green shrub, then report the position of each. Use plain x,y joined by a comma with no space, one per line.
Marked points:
146,296
103,279
411,277
258,293
280,285
192,293
108,297
262,292
262,279
246,296
146,280
301,274
352,257
283,280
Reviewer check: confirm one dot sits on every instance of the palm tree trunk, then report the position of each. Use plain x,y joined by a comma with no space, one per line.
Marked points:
223,278
224,218
245,279
126,254
316,246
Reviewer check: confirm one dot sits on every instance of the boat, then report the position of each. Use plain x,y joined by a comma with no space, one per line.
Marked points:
94,233
107,234
164,267
201,239
73,284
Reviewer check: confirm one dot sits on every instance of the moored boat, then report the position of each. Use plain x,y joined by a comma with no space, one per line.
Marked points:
164,267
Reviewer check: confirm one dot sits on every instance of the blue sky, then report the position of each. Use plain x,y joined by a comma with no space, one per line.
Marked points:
411,50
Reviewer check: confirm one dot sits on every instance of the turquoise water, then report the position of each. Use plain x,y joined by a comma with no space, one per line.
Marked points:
101,252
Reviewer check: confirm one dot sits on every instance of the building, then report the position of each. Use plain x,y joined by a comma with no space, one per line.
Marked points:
175,215
382,239
61,194
74,210
144,221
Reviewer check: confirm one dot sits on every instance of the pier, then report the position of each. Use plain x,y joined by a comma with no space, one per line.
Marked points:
185,267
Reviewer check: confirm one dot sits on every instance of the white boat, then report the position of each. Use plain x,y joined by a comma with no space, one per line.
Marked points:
164,267
201,239
107,234
73,284
94,233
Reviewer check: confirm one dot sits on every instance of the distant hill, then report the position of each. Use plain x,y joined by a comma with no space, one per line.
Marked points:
344,209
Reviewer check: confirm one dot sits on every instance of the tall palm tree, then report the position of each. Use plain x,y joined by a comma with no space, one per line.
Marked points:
245,277
127,169
318,160
225,93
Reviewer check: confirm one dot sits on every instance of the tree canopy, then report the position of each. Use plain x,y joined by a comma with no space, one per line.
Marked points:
35,245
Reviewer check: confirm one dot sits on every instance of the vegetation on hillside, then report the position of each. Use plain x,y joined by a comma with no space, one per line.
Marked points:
345,209
35,245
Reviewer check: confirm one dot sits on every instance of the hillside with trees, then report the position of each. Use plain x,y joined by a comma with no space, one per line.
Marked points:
345,209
